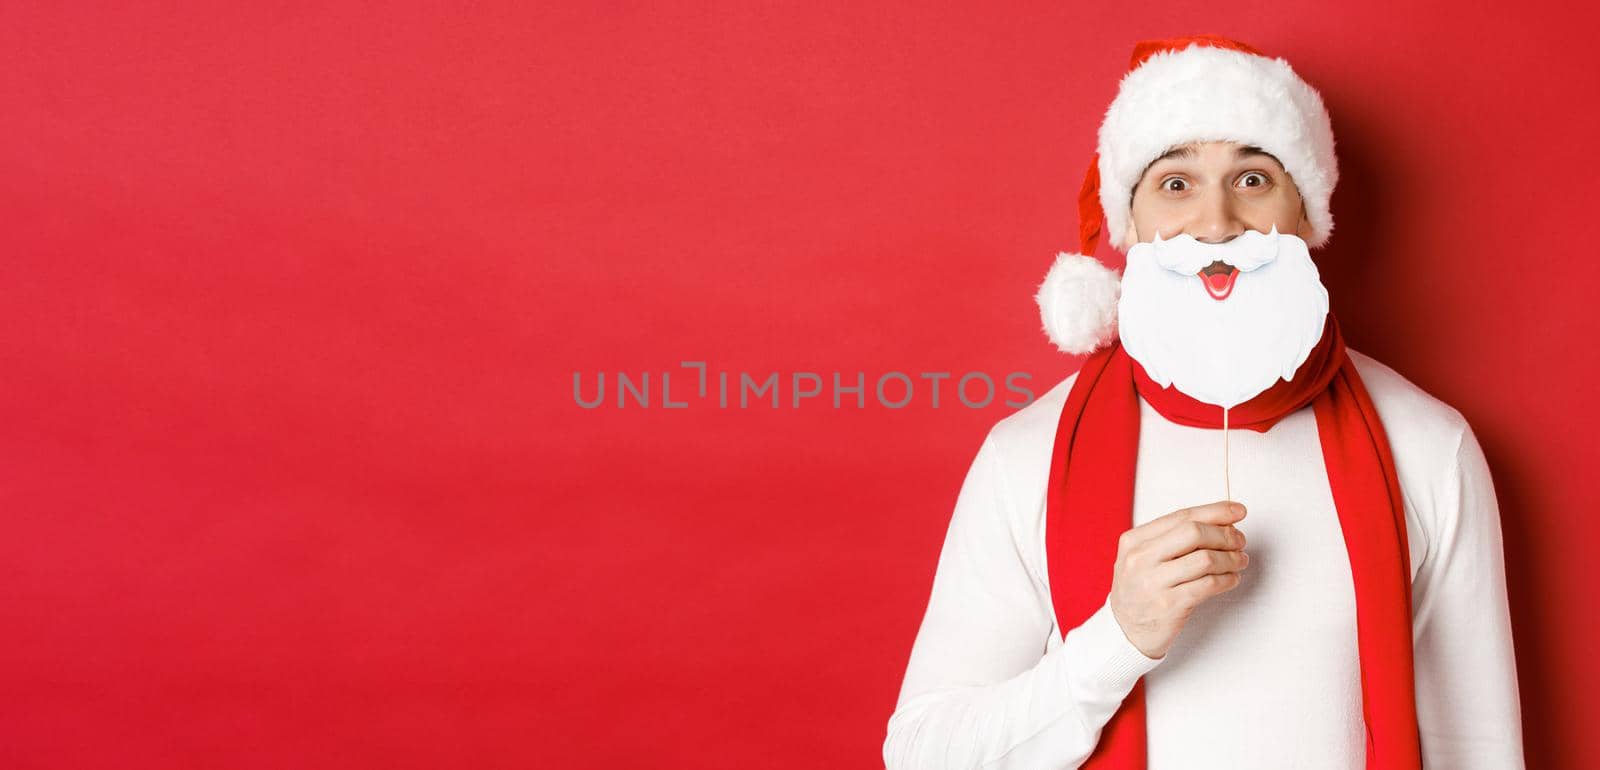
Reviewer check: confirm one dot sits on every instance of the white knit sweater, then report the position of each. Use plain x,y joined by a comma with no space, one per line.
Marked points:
1263,676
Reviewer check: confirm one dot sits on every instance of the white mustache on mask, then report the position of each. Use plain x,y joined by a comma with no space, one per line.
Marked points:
1222,352
1186,255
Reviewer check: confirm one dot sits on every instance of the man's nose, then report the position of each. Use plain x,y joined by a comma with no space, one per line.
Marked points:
1217,221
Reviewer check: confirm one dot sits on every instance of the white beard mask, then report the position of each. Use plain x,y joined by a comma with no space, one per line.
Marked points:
1223,337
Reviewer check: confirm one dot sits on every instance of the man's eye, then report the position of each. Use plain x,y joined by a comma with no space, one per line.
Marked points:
1169,184
1256,175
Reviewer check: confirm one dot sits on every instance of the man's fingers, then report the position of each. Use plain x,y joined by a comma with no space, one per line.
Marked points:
1206,586
1191,534
1199,562
1221,512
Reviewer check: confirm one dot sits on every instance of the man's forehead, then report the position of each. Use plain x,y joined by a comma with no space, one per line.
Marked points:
1190,150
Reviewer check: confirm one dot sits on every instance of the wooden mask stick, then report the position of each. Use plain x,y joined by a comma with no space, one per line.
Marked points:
1227,485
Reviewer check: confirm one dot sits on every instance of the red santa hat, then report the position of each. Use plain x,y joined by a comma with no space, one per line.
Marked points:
1186,89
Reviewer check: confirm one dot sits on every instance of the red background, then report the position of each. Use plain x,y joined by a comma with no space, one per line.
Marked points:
290,466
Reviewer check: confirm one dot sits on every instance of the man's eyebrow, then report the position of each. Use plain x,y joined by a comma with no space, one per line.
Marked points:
1182,151
1249,151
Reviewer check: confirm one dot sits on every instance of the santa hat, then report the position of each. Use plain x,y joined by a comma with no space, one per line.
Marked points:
1186,89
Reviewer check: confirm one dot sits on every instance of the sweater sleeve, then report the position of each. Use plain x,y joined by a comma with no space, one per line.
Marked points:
980,690
1468,708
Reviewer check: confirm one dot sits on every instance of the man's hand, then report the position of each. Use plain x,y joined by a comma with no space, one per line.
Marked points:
1167,567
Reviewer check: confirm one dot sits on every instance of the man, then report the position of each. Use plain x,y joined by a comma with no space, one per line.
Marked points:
1130,582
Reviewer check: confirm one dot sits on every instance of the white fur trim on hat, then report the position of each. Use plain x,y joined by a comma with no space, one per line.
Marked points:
1078,303
1208,93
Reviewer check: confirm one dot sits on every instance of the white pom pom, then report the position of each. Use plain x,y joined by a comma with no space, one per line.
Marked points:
1078,303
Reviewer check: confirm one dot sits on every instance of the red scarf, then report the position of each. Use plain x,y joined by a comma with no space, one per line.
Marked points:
1092,470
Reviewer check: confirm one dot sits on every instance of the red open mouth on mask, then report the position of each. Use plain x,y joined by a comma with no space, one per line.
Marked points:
1218,278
